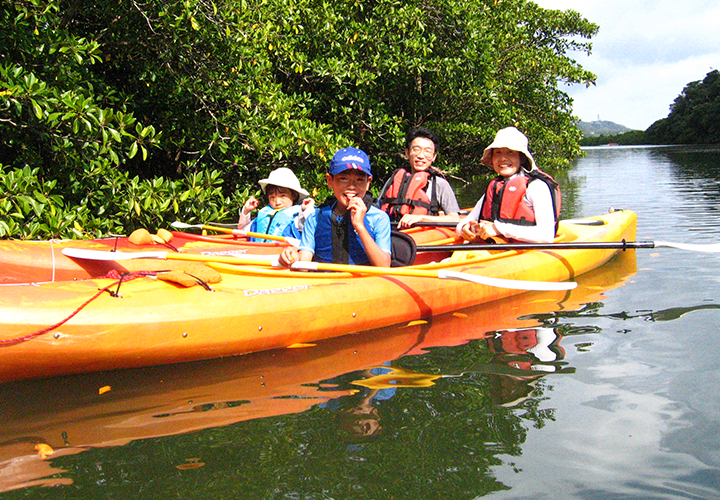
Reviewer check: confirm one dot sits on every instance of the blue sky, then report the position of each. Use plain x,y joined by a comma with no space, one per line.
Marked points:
643,56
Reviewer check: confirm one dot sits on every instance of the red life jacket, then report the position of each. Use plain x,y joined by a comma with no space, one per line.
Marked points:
407,195
504,200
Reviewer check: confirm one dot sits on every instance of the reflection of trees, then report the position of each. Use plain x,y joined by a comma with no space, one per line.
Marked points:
570,187
593,310
429,437
432,435
695,170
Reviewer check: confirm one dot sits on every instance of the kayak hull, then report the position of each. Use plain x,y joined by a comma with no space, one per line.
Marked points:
253,309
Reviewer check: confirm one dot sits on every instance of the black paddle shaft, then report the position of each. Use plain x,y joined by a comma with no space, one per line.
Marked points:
599,245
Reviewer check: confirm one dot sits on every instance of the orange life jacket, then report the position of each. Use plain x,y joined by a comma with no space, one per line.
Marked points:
504,200
407,195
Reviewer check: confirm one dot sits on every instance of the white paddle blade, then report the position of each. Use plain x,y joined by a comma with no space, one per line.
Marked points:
80,253
691,247
512,284
304,265
183,225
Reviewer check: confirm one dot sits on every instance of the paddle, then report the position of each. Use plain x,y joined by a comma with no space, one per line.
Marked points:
271,260
582,222
441,273
238,232
253,260
600,245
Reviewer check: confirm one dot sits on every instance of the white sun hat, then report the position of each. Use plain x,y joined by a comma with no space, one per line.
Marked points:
283,177
510,138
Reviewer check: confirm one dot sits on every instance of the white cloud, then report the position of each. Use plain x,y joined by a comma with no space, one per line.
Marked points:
644,55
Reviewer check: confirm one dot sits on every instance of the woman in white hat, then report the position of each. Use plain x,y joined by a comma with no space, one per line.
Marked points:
515,206
289,205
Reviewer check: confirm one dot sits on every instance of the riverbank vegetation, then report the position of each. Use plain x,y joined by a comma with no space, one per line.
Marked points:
693,117
118,115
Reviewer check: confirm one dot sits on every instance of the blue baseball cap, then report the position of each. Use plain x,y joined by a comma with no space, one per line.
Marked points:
350,158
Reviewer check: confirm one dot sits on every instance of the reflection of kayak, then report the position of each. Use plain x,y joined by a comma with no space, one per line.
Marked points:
154,322
69,415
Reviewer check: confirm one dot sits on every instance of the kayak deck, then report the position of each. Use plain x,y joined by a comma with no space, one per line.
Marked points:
43,261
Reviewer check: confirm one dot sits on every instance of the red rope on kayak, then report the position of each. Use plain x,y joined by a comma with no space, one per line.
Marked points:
121,278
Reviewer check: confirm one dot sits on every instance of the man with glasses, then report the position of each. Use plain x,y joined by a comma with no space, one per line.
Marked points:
419,193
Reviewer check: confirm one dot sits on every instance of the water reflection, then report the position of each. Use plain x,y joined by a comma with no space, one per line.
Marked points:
673,189
670,314
57,430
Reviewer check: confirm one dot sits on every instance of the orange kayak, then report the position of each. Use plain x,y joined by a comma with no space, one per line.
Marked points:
98,410
75,326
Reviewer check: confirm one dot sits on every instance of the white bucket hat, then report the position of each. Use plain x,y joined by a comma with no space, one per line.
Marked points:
510,138
283,177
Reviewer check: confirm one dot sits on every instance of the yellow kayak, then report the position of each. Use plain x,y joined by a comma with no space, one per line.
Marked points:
80,326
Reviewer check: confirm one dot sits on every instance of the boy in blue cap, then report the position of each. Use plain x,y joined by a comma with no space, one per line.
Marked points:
347,228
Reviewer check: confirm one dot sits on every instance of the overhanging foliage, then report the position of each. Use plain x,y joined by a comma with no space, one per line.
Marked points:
107,99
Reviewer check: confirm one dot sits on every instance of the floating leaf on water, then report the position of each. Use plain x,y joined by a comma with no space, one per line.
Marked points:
192,463
417,322
44,450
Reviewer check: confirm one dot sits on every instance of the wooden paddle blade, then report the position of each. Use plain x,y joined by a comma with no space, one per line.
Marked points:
512,284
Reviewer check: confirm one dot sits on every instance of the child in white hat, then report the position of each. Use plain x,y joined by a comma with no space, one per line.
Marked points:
289,206
515,206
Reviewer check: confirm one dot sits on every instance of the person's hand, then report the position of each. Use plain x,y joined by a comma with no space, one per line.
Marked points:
250,205
288,256
409,220
480,231
357,210
487,230
470,230
307,203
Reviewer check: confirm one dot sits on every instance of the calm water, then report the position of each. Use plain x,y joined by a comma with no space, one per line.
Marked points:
611,391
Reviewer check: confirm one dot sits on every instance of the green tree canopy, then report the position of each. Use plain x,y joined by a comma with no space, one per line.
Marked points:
129,113
693,117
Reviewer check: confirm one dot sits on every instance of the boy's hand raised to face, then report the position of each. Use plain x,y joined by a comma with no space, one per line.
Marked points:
357,209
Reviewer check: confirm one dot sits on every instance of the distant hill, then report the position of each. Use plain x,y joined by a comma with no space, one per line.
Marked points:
600,127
